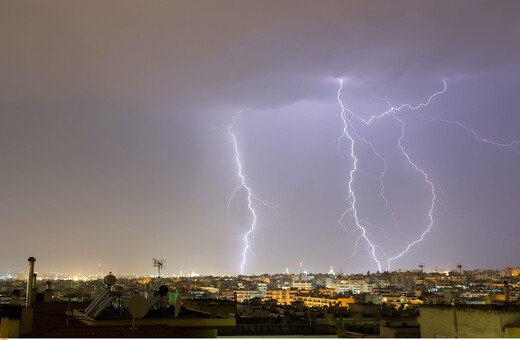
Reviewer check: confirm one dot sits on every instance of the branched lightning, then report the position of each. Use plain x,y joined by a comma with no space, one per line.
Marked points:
350,133
471,131
243,185
249,194
351,194
393,109
427,180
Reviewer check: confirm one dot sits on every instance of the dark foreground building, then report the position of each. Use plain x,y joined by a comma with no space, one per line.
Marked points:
466,321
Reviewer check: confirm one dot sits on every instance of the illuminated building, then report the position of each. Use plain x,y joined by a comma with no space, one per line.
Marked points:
354,286
302,285
242,295
314,301
282,296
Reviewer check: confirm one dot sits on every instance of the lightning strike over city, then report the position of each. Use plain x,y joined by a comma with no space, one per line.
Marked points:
392,112
351,194
250,196
109,150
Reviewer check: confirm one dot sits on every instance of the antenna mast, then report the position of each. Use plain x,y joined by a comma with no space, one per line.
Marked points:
159,265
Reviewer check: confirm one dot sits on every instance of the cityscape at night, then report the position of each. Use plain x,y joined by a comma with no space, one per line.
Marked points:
236,168
405,303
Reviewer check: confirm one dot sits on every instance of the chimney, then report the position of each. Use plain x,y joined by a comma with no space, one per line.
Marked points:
506,292
34,292
47,294
30,282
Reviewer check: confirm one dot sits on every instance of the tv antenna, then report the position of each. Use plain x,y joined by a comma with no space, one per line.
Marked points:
159,264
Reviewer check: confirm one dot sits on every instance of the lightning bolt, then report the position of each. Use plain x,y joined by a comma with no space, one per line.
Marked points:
351,194
427,180
352,210
471,131
393,111
349,132
243,186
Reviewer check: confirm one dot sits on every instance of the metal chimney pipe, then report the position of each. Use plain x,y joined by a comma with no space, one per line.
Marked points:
30,282
506,292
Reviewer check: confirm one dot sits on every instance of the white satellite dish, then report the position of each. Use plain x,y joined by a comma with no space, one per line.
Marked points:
138,306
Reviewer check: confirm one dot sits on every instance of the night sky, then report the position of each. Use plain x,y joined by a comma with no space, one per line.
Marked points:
113,145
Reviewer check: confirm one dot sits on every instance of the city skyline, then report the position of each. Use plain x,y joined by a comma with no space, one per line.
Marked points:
92,276
115,135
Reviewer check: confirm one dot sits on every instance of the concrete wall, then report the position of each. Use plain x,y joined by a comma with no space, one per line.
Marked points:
266,329
220,307
399,332
365,308
466,322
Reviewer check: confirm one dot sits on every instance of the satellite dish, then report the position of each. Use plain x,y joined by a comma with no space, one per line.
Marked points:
110,280
118,290
163,290
138,306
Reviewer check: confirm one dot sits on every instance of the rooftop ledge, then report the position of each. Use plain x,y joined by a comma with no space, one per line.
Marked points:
199,320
